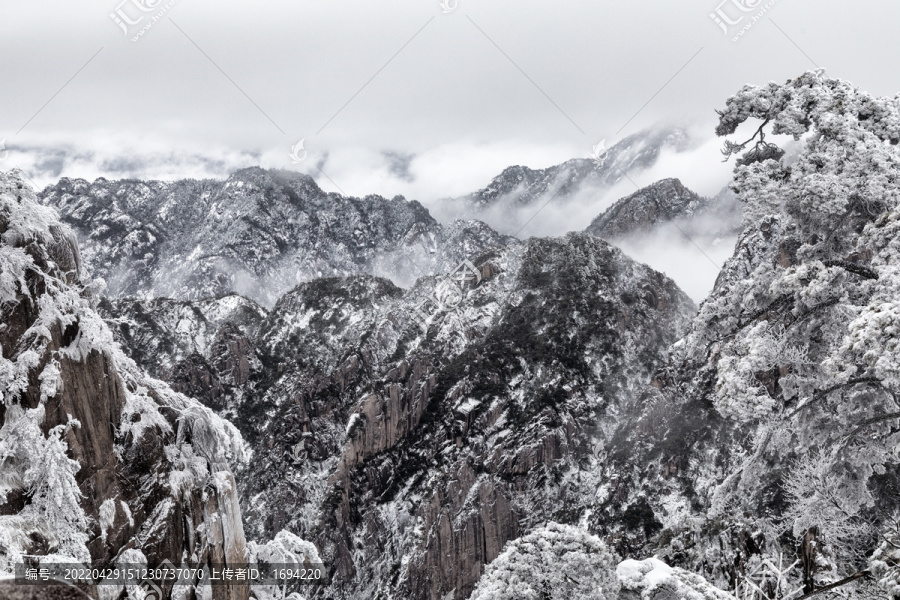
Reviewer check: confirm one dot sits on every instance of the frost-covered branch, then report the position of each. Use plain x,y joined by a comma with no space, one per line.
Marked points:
856,576
821,395
854,268
879,419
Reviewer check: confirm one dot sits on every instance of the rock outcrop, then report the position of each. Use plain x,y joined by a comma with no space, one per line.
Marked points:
642,211
97,458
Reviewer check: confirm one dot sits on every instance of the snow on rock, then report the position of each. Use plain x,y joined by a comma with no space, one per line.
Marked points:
885,566
287,551
258,234
107,516
84,429
286,548
355,419
652,579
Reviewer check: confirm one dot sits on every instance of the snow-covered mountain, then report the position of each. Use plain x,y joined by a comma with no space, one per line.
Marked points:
99,461
521,403
522,186
641,212
674,230
386,414
258,233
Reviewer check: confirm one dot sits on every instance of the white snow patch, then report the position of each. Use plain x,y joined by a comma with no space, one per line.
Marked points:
468,406
107,517
127,511
352,421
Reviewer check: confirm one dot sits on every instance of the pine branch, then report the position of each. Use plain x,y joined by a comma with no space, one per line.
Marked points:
733,147
778,302
836,584
814,310
873,420
751,318
856,269
862,425
824,393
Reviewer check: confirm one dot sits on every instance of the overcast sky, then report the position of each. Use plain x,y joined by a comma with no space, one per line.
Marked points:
396,97
425,98
400,96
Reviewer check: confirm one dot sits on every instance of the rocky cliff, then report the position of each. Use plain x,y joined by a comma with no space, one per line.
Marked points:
99,461
412,442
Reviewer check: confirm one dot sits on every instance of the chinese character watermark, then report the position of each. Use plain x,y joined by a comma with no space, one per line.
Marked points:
732,13
131,13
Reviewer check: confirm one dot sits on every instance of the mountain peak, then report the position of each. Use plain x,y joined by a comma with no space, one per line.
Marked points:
521,185
258,233
641,211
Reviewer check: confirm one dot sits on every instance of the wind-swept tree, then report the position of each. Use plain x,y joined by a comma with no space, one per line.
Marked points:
803,329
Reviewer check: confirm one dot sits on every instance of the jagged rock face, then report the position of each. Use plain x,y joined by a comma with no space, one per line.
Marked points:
203,349
660,202
520,185
97,457
512,419
258,233
298,387
412,457
466,437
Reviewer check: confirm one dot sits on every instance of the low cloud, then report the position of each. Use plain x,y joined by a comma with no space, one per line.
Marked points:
45,160
693,260
699,167
433,176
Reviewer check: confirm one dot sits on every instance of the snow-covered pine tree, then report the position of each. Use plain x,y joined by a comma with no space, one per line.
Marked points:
802,330
554,562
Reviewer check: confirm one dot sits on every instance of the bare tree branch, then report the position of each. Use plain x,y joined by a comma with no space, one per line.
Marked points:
836,584
734,148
